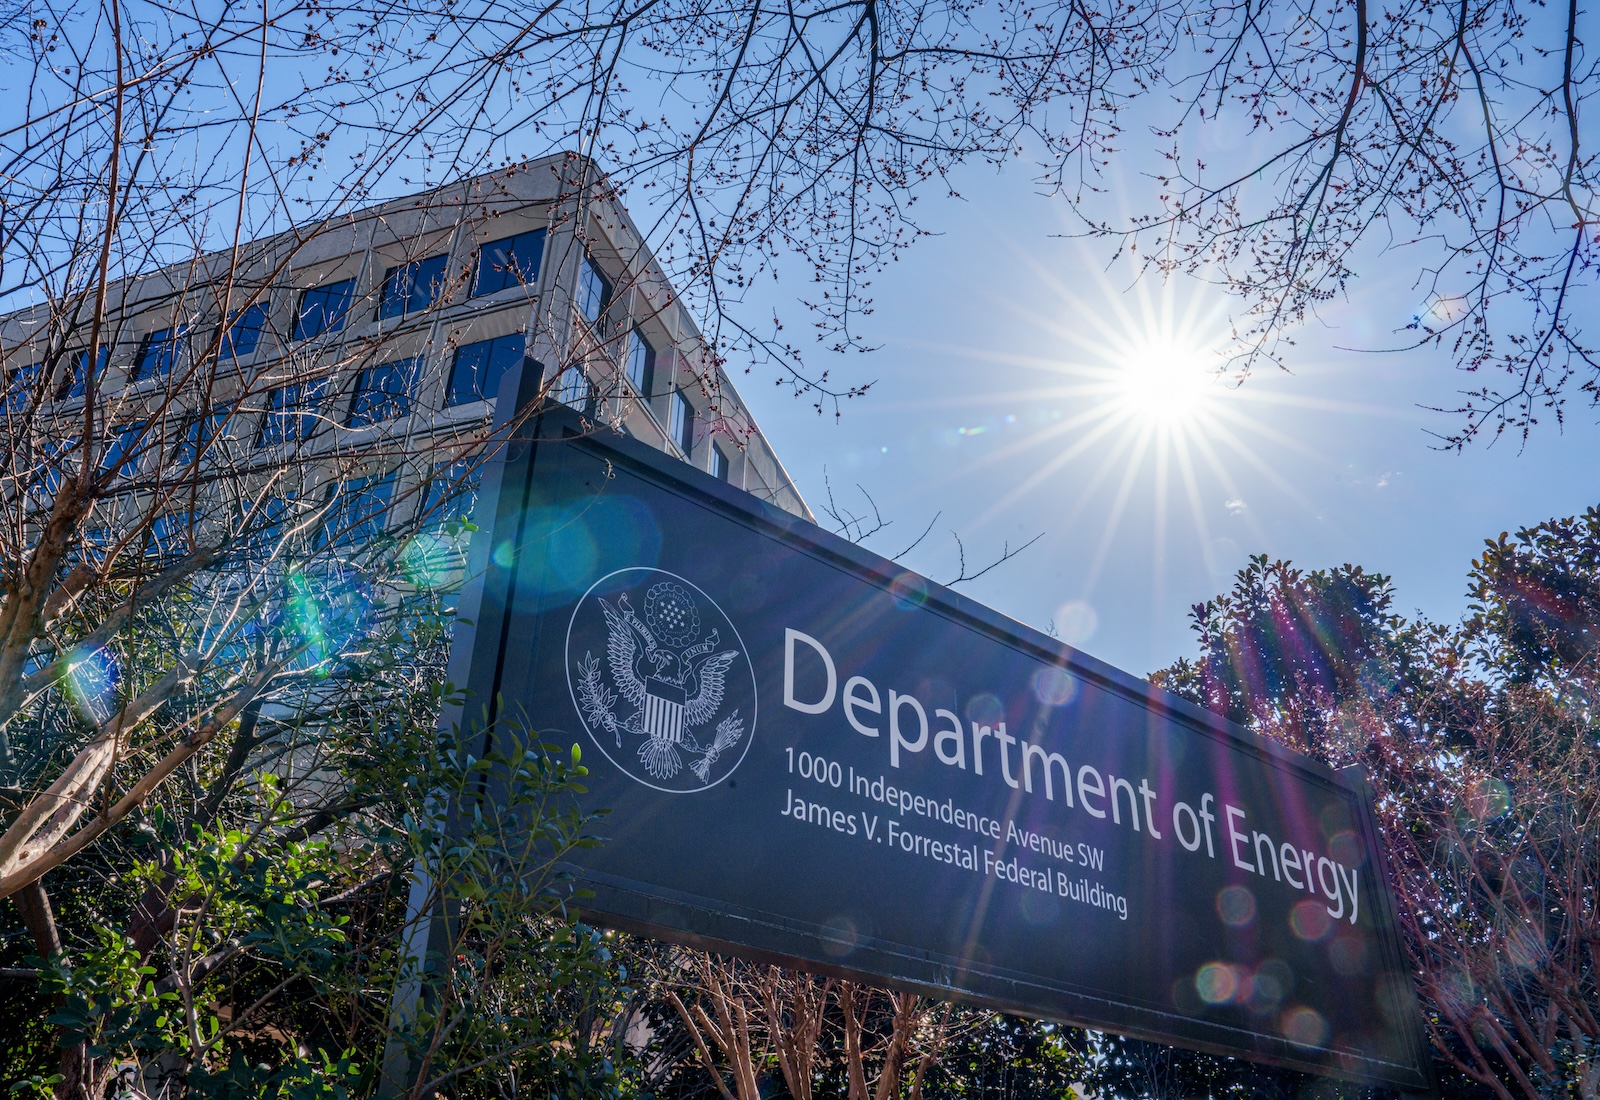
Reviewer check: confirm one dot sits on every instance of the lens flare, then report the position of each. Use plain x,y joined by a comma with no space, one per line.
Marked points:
326,611
1303,1026
909,591
1076,621
1135,411
1236,905
1054,687
428,560
1488,799
1218,982
1310,920
92,682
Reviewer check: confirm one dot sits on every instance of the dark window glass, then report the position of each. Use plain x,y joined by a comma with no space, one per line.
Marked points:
76,381
244,330
38,659
593,290
478,368
291,413
93,545
720,466
412,287
323,309
509,262
574,389
198,432
56,458
641,363
19,387
452,491
169,535
682,426
158,353
266,525
383,392
359,511
123,451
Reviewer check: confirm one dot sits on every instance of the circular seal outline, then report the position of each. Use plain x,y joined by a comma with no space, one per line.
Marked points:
744,651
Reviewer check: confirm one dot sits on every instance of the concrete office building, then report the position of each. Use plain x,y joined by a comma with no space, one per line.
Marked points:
359,360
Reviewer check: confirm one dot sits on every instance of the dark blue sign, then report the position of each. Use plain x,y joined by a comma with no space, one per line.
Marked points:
813,756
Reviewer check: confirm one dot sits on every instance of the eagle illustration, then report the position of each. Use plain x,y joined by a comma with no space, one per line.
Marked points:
673,685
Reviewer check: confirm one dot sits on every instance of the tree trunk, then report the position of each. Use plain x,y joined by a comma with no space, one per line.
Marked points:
39,918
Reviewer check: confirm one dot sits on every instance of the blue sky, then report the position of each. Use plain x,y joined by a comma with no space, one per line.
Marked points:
997,407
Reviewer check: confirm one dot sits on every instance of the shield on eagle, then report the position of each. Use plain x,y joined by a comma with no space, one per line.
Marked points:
663,710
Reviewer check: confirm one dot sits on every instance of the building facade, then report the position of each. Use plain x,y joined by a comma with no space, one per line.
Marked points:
344,376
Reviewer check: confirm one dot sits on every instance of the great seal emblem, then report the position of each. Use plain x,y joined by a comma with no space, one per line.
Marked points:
671,699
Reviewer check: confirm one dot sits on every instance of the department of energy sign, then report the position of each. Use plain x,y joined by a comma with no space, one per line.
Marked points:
811,756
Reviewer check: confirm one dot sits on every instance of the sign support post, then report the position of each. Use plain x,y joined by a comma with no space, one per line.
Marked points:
475,643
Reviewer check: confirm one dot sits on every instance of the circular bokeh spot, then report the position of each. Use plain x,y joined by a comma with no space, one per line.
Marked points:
1310,920
1236,905
1076,622
985,709
839,936
92,682
1303,1026
1269,985
1217,983
1054,687
1345,847
909,591
1348,954
1488,799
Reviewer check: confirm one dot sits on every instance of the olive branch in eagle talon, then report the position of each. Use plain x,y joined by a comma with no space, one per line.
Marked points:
597,699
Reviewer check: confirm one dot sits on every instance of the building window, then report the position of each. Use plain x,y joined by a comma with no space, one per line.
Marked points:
681,422
93,546
359,511
721,465
55,459
593,291
412,287
169,535
123,451
509,262
475,375
322,309
291,414
198,432
383,392
265,522
452,491
76,381
19,387
573,388
158,353
641,363
244,330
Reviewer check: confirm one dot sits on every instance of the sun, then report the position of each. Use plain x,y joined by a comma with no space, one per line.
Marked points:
1165,382
1133,404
